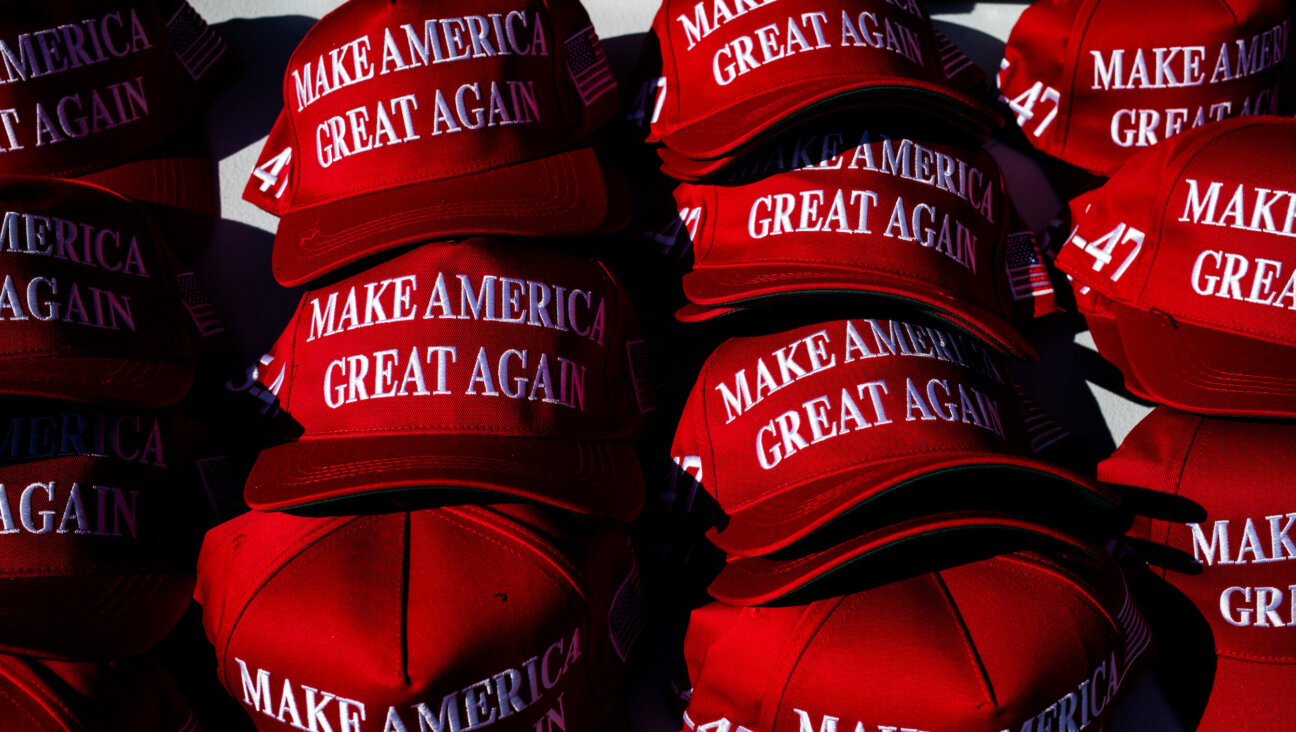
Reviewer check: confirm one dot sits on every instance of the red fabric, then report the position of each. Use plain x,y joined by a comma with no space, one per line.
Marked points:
430,607
1188,243
841,216
1092,67
811,441
536,394
717,102
114,88
98,319
1236,471
99,512
55,696
1016,639
762,580
345,179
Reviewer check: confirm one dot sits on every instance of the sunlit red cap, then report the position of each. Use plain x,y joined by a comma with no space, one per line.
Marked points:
60,696
93,90
915,219
456,615
411,121
1094,82
482,365
796,431
92,306
1016,641
732,77
1237,471
1191,242
101,513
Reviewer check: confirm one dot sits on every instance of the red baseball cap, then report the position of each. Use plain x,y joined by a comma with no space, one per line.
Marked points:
1238,471
459,616
729,78
92,306
479,365
794,431
411,121
907,545
1094,82
1189,243
1100,315
101,513
914,218
1017,641
60,696
98,92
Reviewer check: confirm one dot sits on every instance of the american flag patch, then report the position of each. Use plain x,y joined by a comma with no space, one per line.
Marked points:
953,60
588,65
1041,429
1137,635
195,300
224,486
195,43
627,616
1027,276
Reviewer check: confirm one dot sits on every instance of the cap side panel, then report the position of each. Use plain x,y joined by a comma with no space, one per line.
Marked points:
969,649
1069,71
271,569
1166,185
794,651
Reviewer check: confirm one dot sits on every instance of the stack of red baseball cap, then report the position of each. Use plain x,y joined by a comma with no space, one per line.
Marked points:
1094,83
913,214
847,443
451,414
1224,615
112,95
1181,266
408,122
102,477
718,82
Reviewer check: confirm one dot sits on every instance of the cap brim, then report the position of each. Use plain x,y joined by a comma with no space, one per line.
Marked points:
600,478
1204,370
177,172
694,313
92,617
738,284
795,514
683,168
579,191
1248,694
726,131
760,580
109,381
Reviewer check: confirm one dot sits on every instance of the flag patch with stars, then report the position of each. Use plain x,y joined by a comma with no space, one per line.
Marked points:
588,65
1027,276
195,43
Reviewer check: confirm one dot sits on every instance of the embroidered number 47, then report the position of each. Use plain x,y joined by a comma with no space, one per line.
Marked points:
271,170
1114,245
1024,105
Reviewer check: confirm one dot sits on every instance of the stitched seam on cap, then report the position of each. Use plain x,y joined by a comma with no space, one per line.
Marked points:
1074,68
968,645
801,641
705,432
521,536
281,559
